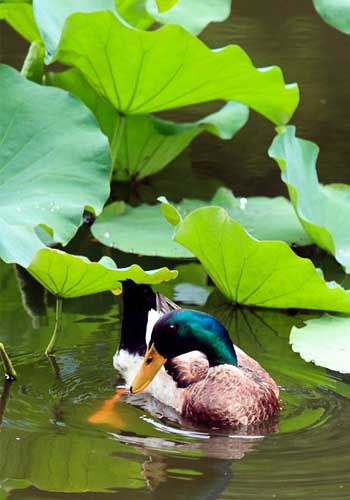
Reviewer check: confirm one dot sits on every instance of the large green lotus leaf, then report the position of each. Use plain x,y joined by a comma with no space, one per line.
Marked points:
191,14
141,72
54,162
73,81
251,272
19,15
323,210
335,12
50,16
74,276
263,218
146,144
143,145
325,341
143,13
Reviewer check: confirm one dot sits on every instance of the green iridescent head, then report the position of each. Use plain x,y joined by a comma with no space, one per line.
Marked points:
185,330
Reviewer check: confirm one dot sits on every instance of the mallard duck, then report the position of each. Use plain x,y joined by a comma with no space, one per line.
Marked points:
217,384
191,363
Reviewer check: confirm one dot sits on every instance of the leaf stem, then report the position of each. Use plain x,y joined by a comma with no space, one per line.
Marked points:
58,327
10,372
4,398
33,66
116,139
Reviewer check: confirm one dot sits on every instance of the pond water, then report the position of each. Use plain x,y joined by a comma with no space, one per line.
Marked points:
48,447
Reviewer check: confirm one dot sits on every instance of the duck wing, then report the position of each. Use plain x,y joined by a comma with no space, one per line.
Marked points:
253,370
188,368
228,396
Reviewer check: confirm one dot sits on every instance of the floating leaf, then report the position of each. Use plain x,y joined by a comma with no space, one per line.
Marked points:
190,14
325,341
146,144
19,15
71,276
263,218
50,16
251,272
54,162
323,210
142,230
141,72
335,12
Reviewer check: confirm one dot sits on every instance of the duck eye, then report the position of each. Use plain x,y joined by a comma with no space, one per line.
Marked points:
149,360
172,327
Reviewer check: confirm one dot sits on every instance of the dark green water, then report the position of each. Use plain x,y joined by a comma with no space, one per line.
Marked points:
49,450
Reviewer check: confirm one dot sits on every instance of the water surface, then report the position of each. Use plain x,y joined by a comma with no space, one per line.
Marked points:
48,448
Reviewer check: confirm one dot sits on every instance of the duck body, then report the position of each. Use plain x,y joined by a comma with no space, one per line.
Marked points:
232,396
187,361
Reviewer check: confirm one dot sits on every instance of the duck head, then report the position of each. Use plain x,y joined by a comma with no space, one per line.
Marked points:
179,332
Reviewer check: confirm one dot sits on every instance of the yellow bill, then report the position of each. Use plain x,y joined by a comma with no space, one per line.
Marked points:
151,365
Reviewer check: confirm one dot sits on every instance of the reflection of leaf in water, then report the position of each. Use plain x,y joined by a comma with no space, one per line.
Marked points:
67,462
306,419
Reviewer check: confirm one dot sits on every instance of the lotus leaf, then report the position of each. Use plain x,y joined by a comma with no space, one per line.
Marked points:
323,210
182,12
135,13
164,5
324,341
251,272
129,229
48,140
335,12
50,16
142,230
71,276
73,81
141,72
19,15
146,144
142,145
